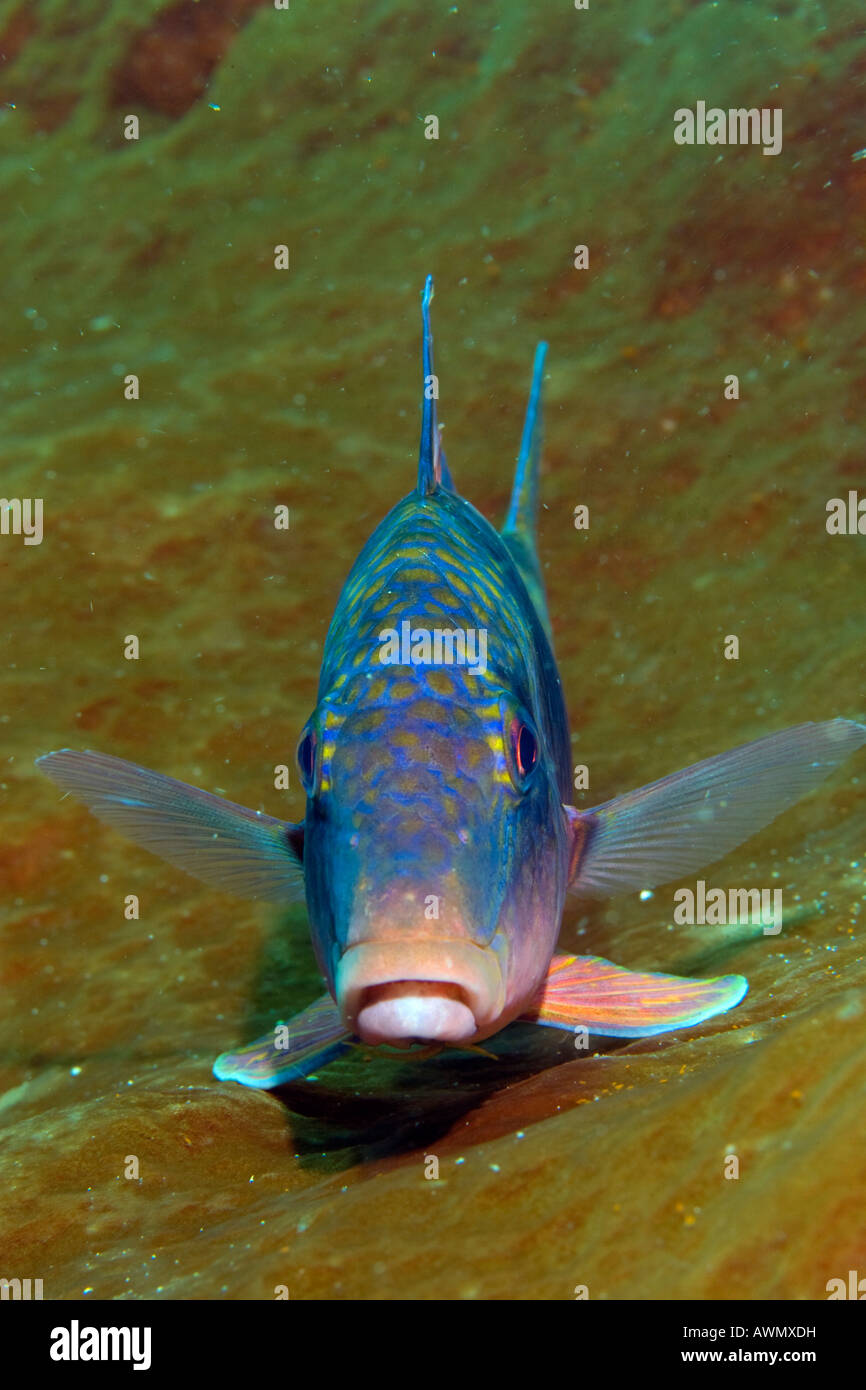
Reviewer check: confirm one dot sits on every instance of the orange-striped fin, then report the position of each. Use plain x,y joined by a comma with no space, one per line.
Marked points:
290,1051
593,993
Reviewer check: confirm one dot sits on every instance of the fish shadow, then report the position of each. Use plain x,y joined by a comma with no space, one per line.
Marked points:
372,1106
372,1103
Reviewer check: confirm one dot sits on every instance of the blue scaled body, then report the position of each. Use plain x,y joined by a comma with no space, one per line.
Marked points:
438,840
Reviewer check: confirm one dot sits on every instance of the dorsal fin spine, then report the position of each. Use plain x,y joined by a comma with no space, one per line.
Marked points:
429,474
523,510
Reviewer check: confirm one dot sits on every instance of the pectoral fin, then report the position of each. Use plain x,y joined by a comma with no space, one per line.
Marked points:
226,845
290,1051
590,992
673,827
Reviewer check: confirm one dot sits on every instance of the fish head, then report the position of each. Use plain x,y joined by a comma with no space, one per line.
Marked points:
435,858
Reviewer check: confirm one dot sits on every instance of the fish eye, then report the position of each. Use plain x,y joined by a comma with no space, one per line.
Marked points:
524,749
307,760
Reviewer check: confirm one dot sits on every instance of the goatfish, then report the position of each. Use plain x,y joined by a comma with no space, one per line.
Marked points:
439,839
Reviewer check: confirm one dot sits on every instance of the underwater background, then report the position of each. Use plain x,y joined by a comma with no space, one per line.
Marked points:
260,387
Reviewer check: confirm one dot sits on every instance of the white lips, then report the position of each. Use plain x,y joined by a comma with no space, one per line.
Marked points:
430,1011
400,992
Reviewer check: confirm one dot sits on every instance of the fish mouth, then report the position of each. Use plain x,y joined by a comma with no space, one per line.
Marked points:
402,992
415,1011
